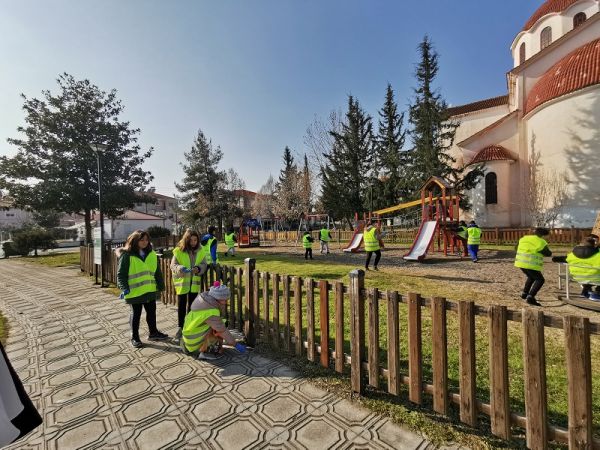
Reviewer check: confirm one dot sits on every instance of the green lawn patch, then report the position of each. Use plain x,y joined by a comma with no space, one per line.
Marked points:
55,260
3,329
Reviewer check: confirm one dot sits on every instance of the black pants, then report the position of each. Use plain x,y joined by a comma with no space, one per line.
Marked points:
377,258
184,303
535,281
136,314
308,253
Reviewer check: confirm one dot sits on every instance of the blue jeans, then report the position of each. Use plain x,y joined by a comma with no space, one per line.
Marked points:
473,249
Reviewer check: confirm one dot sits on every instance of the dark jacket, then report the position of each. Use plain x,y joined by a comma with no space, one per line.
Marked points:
585,251
123,278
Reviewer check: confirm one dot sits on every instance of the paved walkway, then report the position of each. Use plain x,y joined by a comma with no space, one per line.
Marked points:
69,342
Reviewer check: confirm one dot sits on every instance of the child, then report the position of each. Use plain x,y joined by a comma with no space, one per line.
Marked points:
230,241
203,330
324,238
307,241
139,277
473,240
530,259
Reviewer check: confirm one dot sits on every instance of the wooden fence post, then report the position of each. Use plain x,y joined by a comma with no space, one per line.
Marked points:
466,344
439,355
310,318
240,310
373,353
357,329
339,326
275,321
250,264
500,412
298,315
287,340
324,319
415,350
534,361
393,327
579,376
266,312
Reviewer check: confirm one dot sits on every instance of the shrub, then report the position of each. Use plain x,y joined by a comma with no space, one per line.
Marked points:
32,239
156,231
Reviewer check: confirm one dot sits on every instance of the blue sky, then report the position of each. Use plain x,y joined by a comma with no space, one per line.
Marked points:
251,74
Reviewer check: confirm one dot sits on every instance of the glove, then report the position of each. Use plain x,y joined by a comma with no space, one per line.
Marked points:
240,347
123,294
186,270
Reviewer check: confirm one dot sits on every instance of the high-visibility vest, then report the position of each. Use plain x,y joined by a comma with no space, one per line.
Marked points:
528,252
461,232
207,253
585,271
195,328
189,282
474,235
141,275
229,240
325,235
305,242
371,241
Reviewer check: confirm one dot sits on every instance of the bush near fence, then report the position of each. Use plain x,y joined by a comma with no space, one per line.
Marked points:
339,328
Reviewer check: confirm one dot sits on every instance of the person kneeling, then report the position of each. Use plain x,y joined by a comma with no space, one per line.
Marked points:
203,330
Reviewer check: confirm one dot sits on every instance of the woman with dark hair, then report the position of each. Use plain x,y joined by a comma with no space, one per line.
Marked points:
139,277
187,265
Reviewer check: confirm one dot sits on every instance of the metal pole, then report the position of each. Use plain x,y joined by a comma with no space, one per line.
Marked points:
101,220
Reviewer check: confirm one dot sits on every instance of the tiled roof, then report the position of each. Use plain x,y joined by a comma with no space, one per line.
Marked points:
492,153
244,193
548,7
476,106
579,69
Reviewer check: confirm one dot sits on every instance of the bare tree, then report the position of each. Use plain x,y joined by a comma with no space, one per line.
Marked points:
264,205
548,191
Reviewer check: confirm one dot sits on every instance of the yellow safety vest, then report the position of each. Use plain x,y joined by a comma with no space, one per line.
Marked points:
325,235
461,232
371,241
585,271
528,252
229,240
305,242
474,236
189,282
141,278
195,328
206,249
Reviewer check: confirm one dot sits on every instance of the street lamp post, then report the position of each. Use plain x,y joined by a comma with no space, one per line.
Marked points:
99,149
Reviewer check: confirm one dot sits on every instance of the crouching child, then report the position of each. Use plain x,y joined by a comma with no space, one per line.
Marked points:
204,331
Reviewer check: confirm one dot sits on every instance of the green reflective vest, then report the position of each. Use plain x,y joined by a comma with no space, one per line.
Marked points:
474,235
195,328
305,242
461,232
325,235
206,249
585,271
371,241
229,240
528,252
189,282
141,278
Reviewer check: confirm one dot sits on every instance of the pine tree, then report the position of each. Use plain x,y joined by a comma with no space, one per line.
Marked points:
391,157
432,130
201,183
288,189
306,189
346,177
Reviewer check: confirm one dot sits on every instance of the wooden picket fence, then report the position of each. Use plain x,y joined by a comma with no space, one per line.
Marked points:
285,312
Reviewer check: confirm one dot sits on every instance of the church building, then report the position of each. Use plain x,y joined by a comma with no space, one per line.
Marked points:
549,120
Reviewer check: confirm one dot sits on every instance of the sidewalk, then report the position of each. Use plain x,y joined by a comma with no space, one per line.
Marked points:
69,342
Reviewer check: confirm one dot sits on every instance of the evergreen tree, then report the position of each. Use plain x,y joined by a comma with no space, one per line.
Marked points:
200,185
433,132
306,189
349,170
391,158
55,166
288,189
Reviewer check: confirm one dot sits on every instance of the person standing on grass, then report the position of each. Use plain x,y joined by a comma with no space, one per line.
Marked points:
473,240
230,241
530,259
324,238
372,238
187,266
307,241
461,235
139,277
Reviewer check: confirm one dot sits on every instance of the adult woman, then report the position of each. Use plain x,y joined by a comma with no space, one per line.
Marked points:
187,265
139,277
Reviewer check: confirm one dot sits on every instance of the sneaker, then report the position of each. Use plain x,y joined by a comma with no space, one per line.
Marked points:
136,343
532,301
367,269
204,356
375,268
475,260
157,336
523,295
594,296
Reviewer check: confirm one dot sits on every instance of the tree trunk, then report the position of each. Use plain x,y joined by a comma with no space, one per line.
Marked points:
88,227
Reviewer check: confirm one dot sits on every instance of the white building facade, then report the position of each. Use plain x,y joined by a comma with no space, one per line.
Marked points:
552,109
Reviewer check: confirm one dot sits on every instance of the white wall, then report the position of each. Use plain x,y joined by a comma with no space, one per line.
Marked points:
14,218
567,135
498,214
123,228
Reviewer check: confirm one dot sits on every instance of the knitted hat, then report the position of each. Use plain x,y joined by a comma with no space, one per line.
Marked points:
219,291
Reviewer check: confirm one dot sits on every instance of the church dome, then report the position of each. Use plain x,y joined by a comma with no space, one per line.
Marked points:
548,7
579,69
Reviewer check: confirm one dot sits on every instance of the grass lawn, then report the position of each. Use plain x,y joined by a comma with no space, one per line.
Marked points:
55,260
3,329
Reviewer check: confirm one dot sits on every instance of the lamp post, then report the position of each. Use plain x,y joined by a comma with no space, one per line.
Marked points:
99,149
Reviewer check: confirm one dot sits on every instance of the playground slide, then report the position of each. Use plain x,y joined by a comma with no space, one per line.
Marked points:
424,237
354,245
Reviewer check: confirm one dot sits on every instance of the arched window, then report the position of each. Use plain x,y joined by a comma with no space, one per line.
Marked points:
491,189
545,38
579,19
522,53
